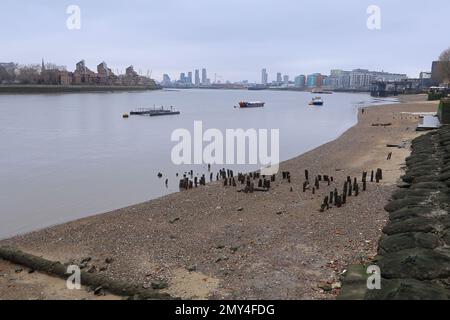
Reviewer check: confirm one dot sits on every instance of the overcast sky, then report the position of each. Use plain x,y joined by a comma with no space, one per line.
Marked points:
233,38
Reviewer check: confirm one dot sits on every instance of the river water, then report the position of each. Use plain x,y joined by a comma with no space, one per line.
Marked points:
67,156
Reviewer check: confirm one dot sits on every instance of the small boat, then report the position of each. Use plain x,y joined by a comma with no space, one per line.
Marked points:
316,101
125,116
154,112
251,104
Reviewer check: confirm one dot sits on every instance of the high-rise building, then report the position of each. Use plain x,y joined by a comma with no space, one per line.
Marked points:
339,79
279,80
166,80
204,76
286,80
314,80
182,77
197,77
300,81
264,77
189,77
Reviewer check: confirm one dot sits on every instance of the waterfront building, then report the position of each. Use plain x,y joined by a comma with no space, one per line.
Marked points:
264,77
286,80
105,76
339,79
314,80
300,81
83,75
362,79
189,78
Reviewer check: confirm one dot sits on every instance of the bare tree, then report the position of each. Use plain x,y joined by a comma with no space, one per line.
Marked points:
7,72
444,58
53,66
29,74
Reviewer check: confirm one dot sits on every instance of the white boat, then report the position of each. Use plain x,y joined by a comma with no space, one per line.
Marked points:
316,101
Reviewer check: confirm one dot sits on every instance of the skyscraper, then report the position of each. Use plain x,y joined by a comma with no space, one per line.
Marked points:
286,80
189,78
279,80
264,77
197,77
204,76
166,80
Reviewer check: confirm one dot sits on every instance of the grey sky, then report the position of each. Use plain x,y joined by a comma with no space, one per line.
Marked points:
233,38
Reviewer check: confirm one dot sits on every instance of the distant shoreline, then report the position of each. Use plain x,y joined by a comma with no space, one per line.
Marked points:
42,89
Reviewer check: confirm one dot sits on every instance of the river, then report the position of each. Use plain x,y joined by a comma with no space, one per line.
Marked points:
68,156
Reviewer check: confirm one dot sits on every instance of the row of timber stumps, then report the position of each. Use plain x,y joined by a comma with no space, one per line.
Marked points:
414,251
92,280
254,181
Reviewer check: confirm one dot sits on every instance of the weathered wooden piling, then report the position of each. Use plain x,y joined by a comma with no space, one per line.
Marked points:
349,188
339,201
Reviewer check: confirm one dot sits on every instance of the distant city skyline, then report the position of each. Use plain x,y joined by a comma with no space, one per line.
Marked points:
166,37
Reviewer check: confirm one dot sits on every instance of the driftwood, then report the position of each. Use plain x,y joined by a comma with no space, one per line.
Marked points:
92,280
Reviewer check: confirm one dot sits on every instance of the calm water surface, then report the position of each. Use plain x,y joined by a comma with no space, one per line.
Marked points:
64,157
